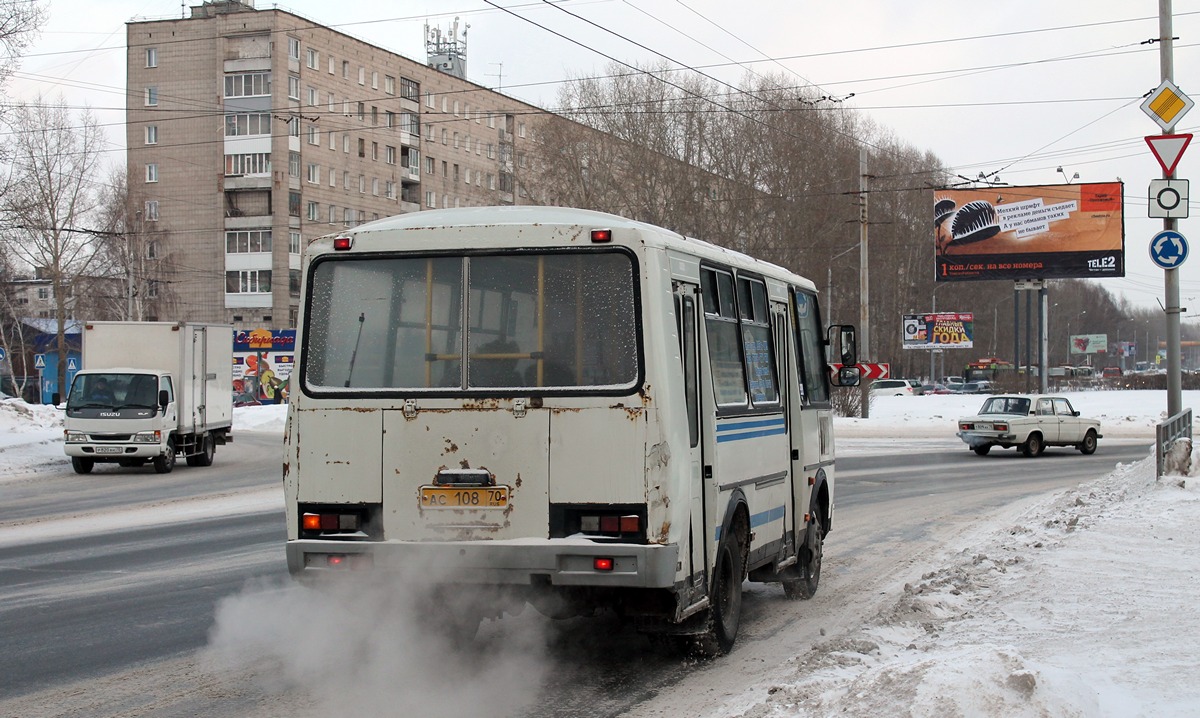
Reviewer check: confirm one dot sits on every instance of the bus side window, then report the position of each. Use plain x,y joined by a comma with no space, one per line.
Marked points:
686,311
810,348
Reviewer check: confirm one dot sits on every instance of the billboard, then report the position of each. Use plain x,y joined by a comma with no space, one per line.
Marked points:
1089,343
943,330
262,363
1040,232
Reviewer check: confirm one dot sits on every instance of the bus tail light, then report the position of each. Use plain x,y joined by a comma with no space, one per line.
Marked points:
342,244
329,522
601,235
611,525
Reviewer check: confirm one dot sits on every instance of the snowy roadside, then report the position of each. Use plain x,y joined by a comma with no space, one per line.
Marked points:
1083,606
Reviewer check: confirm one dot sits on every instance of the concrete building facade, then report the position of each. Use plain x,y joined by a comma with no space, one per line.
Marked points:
251,132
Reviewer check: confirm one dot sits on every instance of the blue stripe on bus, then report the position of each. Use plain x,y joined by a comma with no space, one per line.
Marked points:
768,427
762,518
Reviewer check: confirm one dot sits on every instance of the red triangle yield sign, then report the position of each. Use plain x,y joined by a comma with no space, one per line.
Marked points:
1168,149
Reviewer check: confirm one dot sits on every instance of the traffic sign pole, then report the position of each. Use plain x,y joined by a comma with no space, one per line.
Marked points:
1166,60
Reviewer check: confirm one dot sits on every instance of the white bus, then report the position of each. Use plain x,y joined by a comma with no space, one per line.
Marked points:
563,408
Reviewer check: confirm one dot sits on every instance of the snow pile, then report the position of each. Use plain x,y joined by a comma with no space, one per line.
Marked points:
30,438
1080,608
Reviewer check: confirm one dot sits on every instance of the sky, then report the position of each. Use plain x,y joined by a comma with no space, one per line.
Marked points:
1013,90
1034,612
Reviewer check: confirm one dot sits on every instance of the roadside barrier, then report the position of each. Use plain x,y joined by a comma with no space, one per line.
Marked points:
1167,433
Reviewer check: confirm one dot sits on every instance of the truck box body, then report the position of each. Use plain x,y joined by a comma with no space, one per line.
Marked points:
141,359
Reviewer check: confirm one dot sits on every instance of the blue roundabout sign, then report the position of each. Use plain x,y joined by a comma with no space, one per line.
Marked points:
1168,249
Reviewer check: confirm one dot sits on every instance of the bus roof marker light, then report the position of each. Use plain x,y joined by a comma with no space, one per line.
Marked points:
601,235
342,244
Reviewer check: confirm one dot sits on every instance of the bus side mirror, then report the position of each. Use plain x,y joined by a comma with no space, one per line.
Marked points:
56,398
846,376
843,344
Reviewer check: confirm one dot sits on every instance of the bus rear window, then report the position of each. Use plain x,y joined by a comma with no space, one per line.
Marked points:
564,320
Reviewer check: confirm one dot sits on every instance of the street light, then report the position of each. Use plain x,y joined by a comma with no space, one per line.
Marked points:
1068,179
829,281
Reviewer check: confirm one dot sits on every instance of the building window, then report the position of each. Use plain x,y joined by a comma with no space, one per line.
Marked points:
151,97
430,164
152,249
151,172
374,116
362,75
362,184
293,125
445,136
314,135
430,199
445,169
389,154
313,59
331,65
313,211
333,177
362,147
345,69
351,217
294,242
294,282
389,189
429,133
152,210
492,121
375,150
346,144
293,204
332,214
313,99
152,57
152,288
293,87
520,129
250,84
332,104
411,90
152,134
293,48
374,80
389,84
255,123
314,174
456,172
428,96
410,122
375,186
345,179
257,163
294,164
246,241
252,281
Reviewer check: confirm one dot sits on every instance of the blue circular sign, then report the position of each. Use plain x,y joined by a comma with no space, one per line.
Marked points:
1168,249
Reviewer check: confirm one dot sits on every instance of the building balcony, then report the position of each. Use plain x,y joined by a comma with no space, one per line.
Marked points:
407,207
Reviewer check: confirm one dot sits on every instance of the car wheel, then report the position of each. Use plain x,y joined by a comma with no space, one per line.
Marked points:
1033,445
1088,445
82,465
163,464
982,450
801,581
725,611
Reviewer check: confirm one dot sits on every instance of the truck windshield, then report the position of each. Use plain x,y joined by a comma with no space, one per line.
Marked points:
113,391
563,320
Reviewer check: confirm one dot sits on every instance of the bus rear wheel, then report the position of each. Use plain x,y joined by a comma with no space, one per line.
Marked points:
725,599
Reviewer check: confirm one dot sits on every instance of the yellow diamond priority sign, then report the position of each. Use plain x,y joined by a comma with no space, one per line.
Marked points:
1167,105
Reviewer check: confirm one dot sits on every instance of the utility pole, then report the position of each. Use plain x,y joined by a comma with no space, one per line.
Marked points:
1171,289
864,310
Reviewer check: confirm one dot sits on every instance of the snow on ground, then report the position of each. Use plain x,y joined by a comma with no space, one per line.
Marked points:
1083,605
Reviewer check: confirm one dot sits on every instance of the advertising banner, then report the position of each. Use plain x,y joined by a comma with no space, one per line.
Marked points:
944,330
262,363
1089,343
1039,232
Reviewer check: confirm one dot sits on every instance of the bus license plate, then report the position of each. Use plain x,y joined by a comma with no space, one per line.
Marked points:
446,497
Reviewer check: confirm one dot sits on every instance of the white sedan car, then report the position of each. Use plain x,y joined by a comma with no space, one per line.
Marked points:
1029,422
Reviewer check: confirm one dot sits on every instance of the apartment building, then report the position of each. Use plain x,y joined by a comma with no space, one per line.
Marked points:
251,132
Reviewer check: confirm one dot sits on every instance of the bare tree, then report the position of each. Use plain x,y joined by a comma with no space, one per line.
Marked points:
127,254
55,162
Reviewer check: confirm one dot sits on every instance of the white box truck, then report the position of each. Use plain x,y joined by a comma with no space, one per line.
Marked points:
150,391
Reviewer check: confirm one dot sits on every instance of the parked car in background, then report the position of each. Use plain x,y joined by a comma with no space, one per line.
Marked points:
917,387
1030,423
983,386
891,387
932,389
948,380
955,387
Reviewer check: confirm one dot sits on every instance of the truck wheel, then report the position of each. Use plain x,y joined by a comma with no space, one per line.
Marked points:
163,464
208,449
725,610
1033,445
1088,445
82,465
803,579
